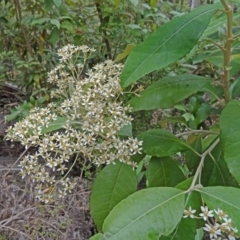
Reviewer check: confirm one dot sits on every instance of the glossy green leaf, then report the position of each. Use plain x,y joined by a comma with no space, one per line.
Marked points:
161,143
149,212
164,172
225,198
167,44
230,132
112,184
168,91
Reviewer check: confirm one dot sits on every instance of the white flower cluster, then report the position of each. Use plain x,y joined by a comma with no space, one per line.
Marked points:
92,114
219,228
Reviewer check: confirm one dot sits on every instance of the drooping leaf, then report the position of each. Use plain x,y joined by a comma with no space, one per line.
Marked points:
55,22
125,53
229,136
225,198
149,212
167,44
113,184
168,91
161,143
164,172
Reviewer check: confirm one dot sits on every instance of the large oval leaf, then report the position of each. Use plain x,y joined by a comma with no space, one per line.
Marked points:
149,212
168,91
161,143
167,44
230,132
225,198
113,184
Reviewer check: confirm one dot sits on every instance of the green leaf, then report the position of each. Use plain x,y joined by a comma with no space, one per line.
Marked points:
235,88
149,212
98,236
54,36
161,143
216,58
39,21
186,228
215,170
229,136
55,125
58,3
126,131
168,91
112,184
55,22
167,44
199,234
125,53
48,4
225,198
164,172
134,2
216,23
116,3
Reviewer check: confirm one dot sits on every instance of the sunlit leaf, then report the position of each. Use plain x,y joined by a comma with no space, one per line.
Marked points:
167,44
168,91
149,212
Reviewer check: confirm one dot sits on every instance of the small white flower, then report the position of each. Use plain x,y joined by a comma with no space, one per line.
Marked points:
213,230
220,214
189,212
206,213
227,223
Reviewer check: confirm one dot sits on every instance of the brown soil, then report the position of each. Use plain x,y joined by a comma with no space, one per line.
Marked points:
21,215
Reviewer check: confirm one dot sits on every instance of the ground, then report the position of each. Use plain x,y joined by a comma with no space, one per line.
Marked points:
21,215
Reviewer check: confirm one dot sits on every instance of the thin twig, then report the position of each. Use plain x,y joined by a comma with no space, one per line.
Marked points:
201,164
15,162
